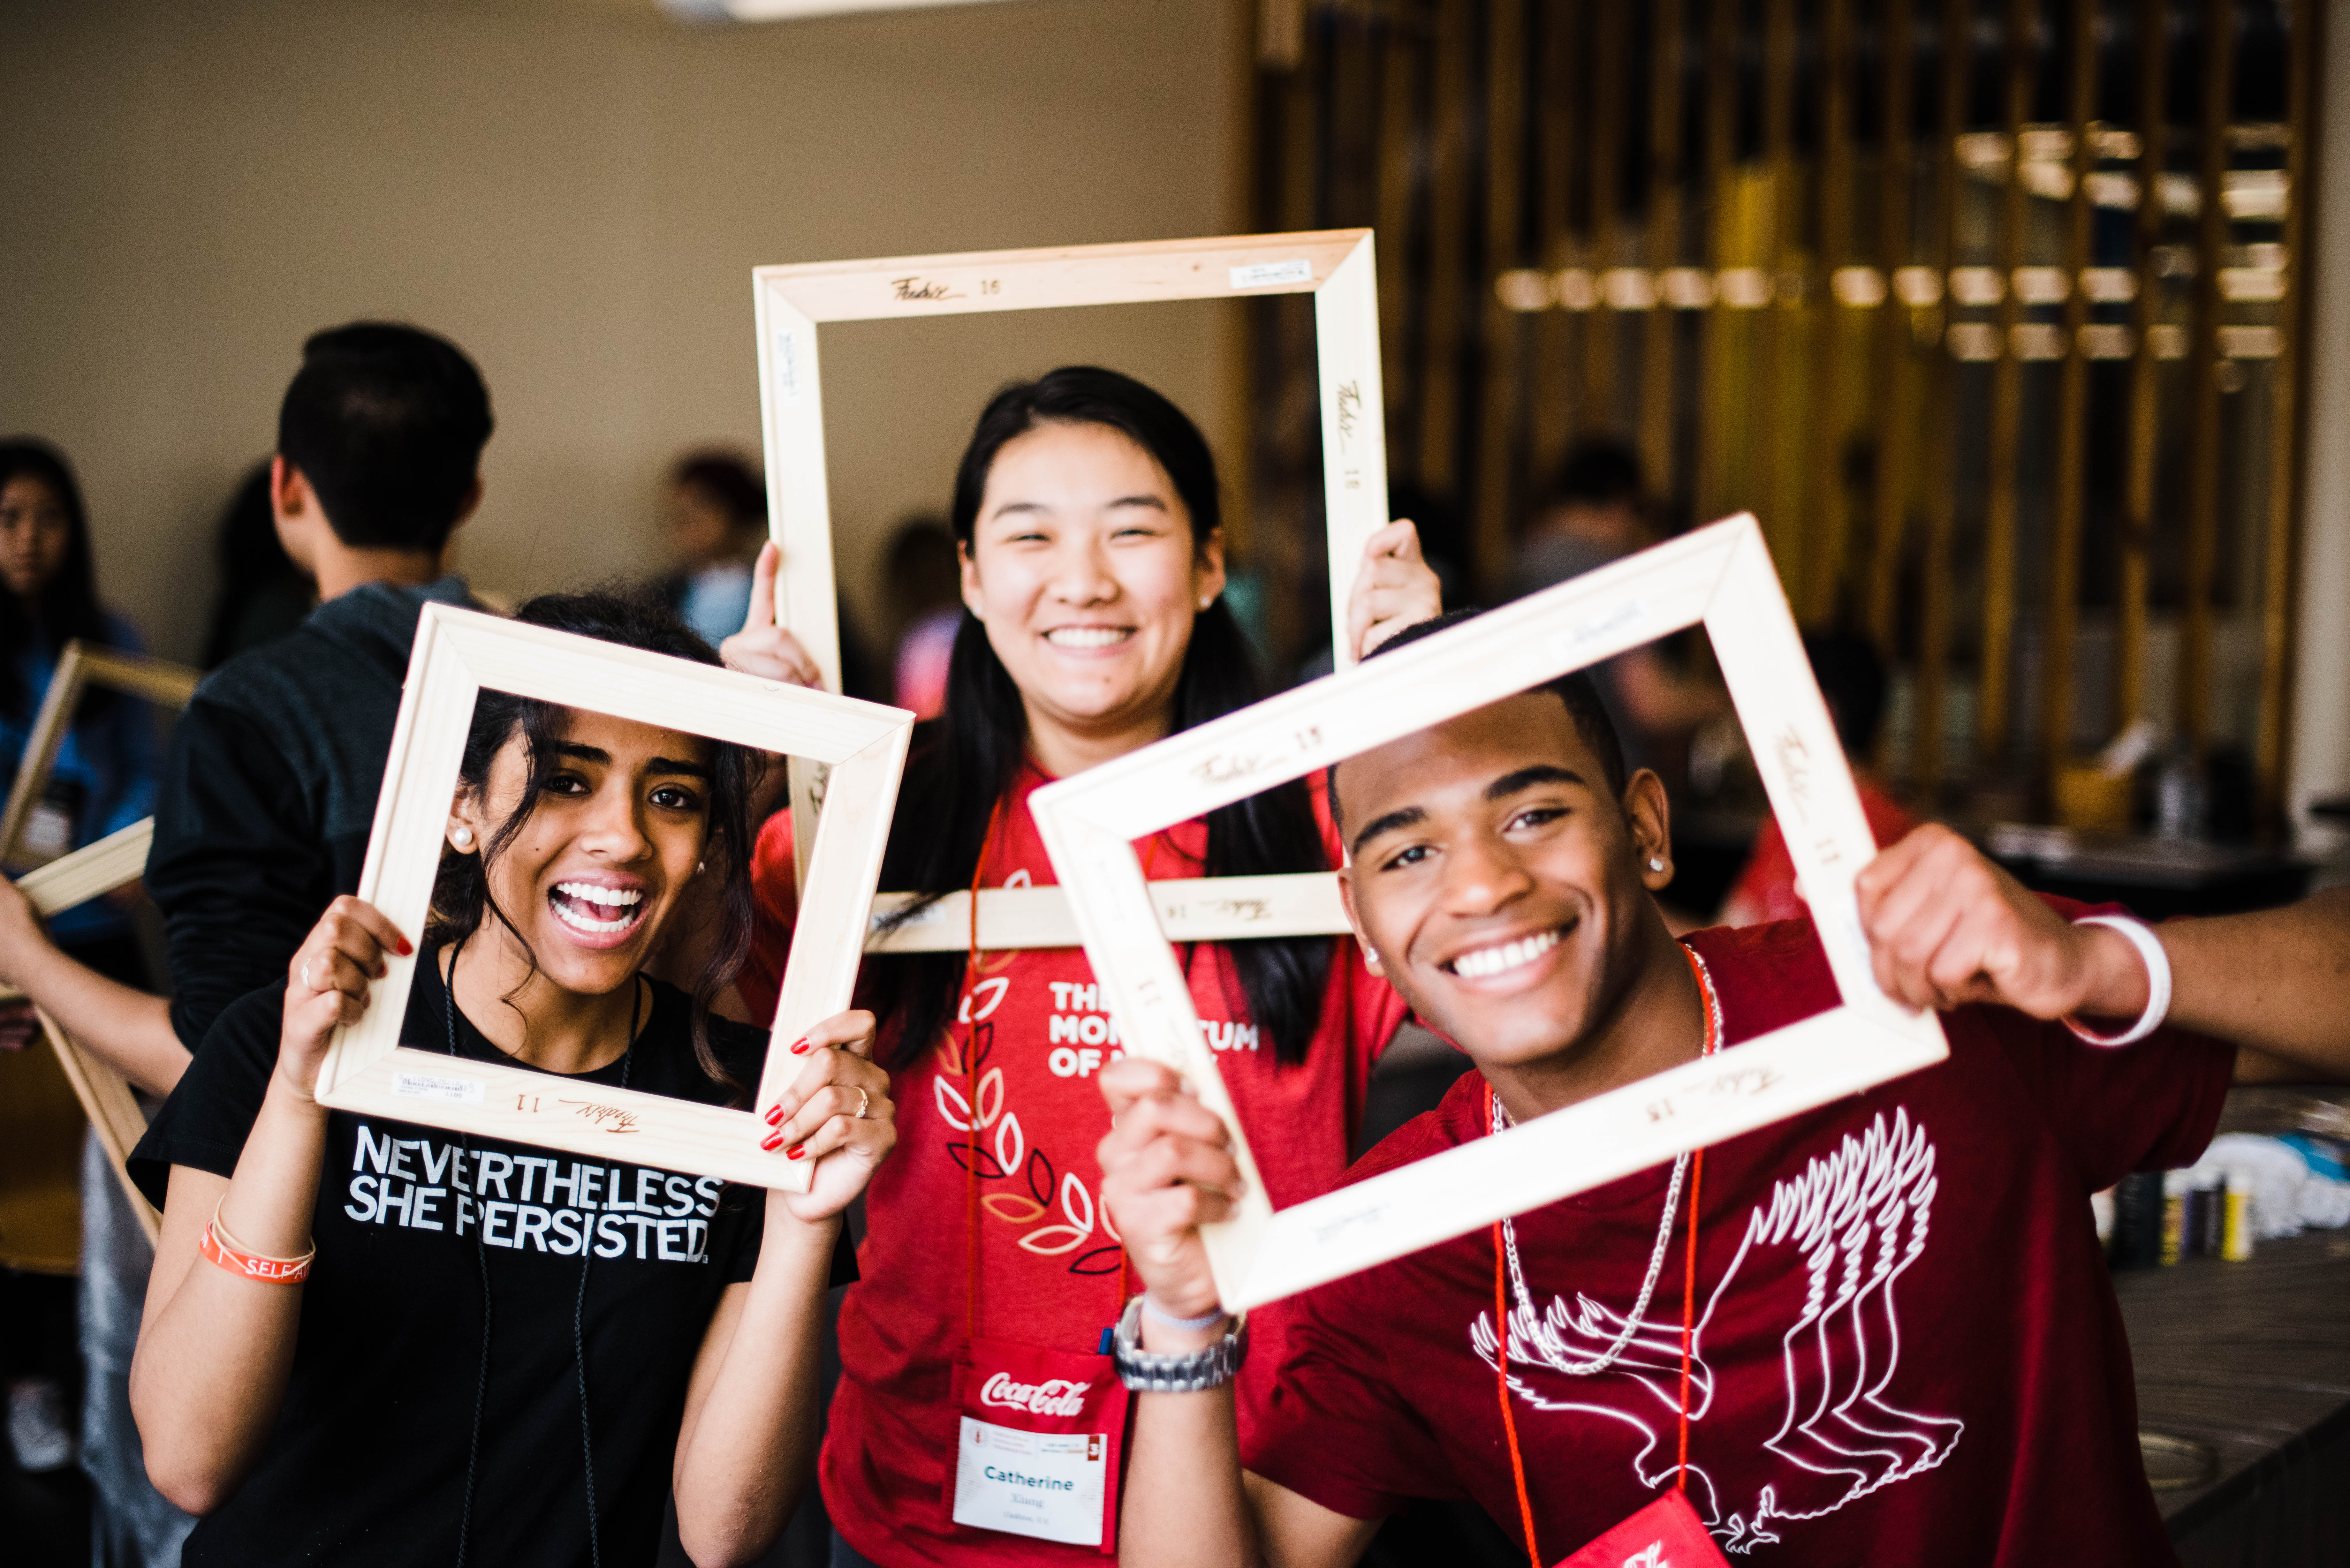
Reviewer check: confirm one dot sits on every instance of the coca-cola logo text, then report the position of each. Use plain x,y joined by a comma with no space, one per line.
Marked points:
1054,1397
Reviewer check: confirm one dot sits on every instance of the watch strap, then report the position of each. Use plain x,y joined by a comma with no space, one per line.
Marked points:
1149,1372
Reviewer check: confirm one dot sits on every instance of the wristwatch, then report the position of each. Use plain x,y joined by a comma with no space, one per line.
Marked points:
1147,1372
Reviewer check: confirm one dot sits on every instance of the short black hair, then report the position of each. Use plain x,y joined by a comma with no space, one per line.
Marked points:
1852,679
728,479
1598,471
1575,690
387,422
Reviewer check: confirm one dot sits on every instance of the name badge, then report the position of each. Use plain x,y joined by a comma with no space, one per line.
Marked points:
1047,1485
1036,1453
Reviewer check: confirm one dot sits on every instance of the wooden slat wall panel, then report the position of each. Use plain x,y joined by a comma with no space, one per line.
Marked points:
2062,610
1894,417
1815,170
1720,145
2216,43
2146,371
1995,665
1663,249
1942,422
2279,548
1824,499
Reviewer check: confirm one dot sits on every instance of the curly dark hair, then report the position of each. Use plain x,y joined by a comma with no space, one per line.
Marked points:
460,892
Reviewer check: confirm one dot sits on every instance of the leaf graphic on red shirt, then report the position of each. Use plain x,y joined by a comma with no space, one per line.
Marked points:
1040,1178
962,1153
1100,1260
1051,1241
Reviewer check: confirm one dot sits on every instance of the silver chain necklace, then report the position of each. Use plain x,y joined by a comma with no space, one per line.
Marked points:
1549,1349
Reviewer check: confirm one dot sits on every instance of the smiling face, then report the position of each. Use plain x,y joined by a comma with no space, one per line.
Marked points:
1083,568
1496,884
620,826
35,533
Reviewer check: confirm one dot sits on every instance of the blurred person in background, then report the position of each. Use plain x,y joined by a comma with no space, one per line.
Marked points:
104,776
1852,679
1594,511
103,779
925,596
715,517
263,595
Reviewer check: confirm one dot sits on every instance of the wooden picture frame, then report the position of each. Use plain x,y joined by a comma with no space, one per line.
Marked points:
106,1097
456,654
1720,578
1191,909
82,665
1337,266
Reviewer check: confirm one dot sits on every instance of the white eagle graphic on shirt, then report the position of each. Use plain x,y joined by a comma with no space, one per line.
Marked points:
1857,1217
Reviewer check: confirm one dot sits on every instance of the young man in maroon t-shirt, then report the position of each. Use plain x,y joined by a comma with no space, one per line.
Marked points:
1904,1347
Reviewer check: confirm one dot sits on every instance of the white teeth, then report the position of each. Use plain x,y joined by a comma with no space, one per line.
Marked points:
622,901
590,892
1487,962
600,928
1086,636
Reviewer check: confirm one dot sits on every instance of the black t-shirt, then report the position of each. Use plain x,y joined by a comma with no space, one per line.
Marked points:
368,1463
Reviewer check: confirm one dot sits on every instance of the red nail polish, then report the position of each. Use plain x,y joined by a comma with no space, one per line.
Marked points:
775,1114
406,946
771,1140
797,1150
800,1048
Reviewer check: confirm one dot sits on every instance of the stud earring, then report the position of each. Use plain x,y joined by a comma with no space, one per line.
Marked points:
699,867
461,837
1655,864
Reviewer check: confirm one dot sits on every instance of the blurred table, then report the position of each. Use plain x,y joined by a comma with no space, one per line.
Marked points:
2156,877
2252,1359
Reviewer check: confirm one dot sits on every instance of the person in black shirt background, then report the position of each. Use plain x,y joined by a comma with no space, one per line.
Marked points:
264,808
497,1346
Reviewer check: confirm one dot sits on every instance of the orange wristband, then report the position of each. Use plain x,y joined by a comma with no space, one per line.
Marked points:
253,1265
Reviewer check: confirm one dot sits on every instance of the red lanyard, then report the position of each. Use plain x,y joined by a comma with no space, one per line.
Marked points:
1689,1294
971,1093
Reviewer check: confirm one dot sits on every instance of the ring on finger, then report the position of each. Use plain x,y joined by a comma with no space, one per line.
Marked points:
864,1099
308,984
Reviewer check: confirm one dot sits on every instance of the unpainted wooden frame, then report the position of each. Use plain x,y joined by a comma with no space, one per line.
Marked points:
457,654
115,861
83,665
1337,266
1718,576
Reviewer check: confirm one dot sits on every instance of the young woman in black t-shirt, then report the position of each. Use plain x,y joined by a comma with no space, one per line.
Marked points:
498,1349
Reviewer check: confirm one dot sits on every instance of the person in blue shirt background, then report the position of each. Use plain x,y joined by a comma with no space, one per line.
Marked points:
104,778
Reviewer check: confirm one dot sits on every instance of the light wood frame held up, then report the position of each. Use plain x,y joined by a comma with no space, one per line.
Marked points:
115,861
1720,578
457,653
1337,266
79,666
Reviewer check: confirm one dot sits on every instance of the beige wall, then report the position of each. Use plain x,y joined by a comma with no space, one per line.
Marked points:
577,193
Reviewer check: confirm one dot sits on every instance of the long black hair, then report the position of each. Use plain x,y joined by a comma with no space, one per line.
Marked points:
963,763
66,606
460,891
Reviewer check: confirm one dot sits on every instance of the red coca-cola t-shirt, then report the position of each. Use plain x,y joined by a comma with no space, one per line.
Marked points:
1907,1348
1051,1269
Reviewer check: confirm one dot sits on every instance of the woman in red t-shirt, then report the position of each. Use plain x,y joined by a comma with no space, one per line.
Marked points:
977,1419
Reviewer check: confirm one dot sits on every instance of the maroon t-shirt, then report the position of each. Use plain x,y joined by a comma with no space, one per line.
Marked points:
1906,1349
